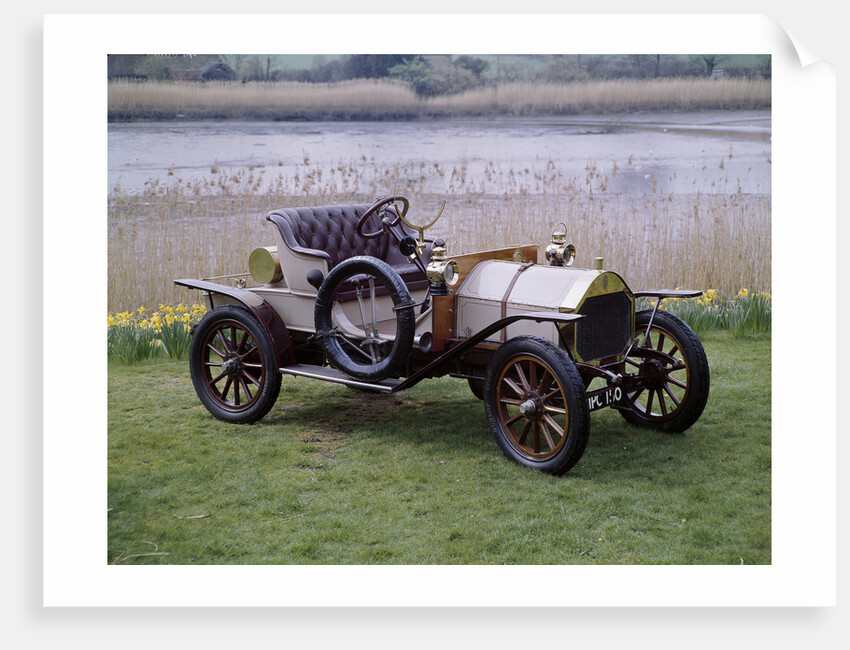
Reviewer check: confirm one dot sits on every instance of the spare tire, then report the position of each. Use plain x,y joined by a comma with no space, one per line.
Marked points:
372,355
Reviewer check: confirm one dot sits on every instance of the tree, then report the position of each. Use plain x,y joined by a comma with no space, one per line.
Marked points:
450,80
562,68
509,71
414,72
644,65
124,65
711,62
475,65
765,67
156,67
372,66
234,62
252,69
428,81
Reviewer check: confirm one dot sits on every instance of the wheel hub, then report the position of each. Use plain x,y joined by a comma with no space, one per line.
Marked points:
531,407
527,408
231,366
655,372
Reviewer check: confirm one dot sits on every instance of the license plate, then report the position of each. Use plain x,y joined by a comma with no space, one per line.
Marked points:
599,399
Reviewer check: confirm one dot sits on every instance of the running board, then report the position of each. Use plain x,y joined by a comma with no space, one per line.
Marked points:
337,377
325,373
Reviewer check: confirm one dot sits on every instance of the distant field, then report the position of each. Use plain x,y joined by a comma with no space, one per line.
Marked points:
369,99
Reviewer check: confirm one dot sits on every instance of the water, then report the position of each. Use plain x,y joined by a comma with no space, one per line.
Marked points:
709,152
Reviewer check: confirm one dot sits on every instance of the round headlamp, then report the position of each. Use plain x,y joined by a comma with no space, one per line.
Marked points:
445,272
441,271
559,252
264,265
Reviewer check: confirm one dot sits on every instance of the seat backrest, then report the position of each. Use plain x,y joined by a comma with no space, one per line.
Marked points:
330,231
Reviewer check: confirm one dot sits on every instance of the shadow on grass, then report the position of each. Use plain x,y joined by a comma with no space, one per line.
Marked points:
442,417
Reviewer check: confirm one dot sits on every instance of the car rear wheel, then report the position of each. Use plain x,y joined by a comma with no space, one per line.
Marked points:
534,402
673,373
232,364
477,387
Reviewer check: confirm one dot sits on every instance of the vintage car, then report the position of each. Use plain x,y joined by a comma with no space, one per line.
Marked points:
357,295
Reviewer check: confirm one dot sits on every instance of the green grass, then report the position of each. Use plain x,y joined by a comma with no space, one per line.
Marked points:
336,476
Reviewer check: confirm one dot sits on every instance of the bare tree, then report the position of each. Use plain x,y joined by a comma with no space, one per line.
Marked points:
234,61
711,62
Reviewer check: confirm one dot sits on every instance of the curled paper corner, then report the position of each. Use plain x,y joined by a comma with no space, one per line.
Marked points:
804,54
796,47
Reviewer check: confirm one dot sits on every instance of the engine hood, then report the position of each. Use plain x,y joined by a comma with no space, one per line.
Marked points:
495,289
538,287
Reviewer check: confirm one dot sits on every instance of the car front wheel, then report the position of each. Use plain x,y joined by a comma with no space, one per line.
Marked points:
535,406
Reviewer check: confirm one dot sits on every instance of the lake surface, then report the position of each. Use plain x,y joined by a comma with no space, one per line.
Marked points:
709,152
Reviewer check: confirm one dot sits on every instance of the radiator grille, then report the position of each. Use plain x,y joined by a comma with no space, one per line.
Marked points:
606,327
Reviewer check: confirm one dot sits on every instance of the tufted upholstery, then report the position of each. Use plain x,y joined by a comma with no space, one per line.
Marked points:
330,232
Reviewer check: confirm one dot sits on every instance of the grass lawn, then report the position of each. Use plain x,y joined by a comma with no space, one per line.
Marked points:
336,476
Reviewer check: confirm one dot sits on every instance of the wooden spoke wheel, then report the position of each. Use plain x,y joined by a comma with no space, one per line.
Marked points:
672,375
233,365
534,401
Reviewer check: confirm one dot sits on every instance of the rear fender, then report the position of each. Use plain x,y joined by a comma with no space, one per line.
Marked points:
267,316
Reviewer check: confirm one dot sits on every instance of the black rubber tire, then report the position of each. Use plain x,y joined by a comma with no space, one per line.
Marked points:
477,387
696,377
254,365
563,392
405,318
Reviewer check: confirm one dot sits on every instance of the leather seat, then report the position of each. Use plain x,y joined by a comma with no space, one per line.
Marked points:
330,232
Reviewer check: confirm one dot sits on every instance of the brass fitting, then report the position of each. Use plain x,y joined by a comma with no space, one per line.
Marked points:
559,252
441,272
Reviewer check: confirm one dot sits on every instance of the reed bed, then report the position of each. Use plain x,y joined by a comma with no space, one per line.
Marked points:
285,100
616,96
705,240
382,99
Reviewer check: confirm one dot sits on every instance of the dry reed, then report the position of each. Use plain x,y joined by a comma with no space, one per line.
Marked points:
613,96
208,228
373,99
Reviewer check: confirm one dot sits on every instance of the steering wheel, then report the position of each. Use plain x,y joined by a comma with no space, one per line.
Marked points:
377,205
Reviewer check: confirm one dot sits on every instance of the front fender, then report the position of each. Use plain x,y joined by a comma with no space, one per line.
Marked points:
268,317
668,293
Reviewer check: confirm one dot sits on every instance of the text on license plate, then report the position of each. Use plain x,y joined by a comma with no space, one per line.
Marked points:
606,397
